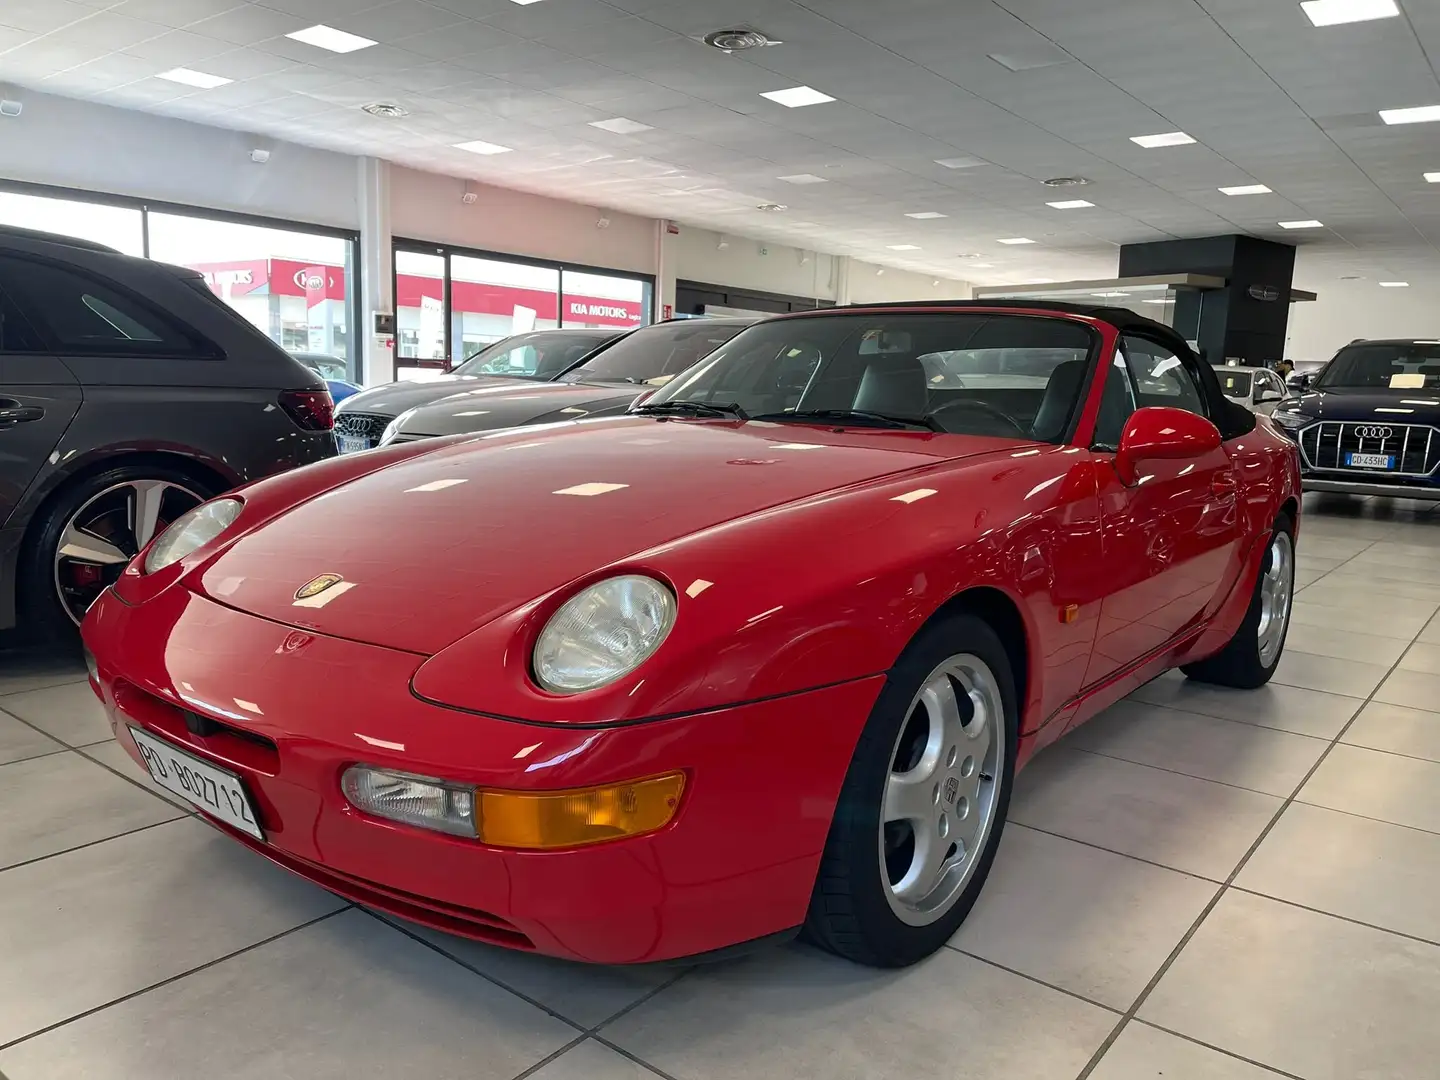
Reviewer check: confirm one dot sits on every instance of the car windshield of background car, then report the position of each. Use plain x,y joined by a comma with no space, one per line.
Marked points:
327,367
656,354
1010,376
1378,366
1235,383
541,355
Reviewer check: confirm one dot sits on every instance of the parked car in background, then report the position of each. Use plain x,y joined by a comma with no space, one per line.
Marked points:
1303,373
508,364
129,394
604,384
1258,389
1369,424
763,655
332,369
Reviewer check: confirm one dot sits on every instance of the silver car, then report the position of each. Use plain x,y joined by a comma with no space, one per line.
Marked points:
1258,389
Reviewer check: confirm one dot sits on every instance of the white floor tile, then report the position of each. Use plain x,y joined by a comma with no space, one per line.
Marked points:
1344,644
1415,689
1422,657
347,997
586,994
20,741
770,1014
1177,821
69,712
1303,992
1227,752
62,801
84,928
1285,708
1103,935
593,1061
21,671
1145,1053
1378,621
1401,790
1412,732
1370,871
1329,675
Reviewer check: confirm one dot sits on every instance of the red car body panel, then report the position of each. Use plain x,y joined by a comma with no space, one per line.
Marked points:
804,559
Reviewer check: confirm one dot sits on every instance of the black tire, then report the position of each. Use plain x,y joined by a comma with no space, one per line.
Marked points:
1239,664
849,913
43,615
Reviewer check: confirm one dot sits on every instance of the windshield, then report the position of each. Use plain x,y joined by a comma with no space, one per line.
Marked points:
327,367
1235,382
1011,376
656,354
543,354
1378,365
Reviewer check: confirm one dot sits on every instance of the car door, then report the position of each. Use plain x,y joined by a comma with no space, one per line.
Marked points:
1170,541
38,399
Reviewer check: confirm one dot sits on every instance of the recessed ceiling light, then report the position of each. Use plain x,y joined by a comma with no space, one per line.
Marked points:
1394,284
1336,12
1311,224
1169,138
1070,204
803,178
983,266
960,162
194,78
479,146
387,109
927,215
738,40
522,2
1246,189
970,255
772,207
1110,295
797,97
327,37
1065,181
1432,177
903,247
1421,114
621,126
1012,240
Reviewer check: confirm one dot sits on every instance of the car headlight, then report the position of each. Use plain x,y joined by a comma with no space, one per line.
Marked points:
190,532
603,633
1289,419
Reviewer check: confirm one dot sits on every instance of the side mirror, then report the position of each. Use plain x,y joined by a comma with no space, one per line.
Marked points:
1267,395
1162,433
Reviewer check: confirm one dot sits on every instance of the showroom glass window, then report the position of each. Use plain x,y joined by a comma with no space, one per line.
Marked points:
603,300
290,283
491,299
119,227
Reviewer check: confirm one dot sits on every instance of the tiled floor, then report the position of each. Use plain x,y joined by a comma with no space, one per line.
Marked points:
1200,885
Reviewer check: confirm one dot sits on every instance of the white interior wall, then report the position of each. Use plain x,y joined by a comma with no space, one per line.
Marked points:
1347,310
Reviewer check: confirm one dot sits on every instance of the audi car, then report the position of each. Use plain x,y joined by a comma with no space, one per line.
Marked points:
1369,424
761,656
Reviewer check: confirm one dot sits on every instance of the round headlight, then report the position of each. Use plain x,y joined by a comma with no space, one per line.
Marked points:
603,633
191,531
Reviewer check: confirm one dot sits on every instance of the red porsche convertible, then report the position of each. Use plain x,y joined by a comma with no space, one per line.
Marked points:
761,656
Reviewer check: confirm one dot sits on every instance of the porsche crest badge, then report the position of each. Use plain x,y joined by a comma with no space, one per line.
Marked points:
318,585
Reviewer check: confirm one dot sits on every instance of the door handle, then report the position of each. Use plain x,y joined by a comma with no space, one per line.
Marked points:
20,414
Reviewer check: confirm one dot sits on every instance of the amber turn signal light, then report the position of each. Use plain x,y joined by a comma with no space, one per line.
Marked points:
543,820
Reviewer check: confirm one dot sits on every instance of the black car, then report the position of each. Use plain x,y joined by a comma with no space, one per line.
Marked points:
508,364
604,384
1369,423
129,393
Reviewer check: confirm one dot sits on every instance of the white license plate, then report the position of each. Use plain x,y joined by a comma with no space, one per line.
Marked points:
1370,461
352,444
216,791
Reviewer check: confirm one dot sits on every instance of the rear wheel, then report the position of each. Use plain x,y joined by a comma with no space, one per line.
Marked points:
1252,655
90,533
924,802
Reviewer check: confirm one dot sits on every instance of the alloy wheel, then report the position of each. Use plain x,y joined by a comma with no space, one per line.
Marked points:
1277,584
110,529
942,789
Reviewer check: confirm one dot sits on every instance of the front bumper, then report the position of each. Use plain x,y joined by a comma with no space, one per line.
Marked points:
296,708
1358,486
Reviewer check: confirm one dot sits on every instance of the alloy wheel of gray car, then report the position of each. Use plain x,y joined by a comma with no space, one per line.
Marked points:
109,529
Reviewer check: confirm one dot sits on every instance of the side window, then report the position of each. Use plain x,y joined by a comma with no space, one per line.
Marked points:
16,333
1161,377
83,316
1117,402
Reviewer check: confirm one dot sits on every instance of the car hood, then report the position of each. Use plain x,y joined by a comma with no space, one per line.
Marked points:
483,409
1362,404
433,546
394,398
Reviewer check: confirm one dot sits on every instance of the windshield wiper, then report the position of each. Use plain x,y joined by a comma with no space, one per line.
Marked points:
855,418
692,408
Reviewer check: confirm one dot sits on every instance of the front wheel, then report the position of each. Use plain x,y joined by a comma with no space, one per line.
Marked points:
1252,655
924,802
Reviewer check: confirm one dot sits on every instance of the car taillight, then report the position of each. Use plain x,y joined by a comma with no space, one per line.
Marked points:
312,410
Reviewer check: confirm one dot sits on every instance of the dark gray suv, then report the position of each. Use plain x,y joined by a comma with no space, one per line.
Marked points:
129,393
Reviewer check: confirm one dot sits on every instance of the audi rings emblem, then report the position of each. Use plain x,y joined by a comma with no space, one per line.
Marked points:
1371,431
